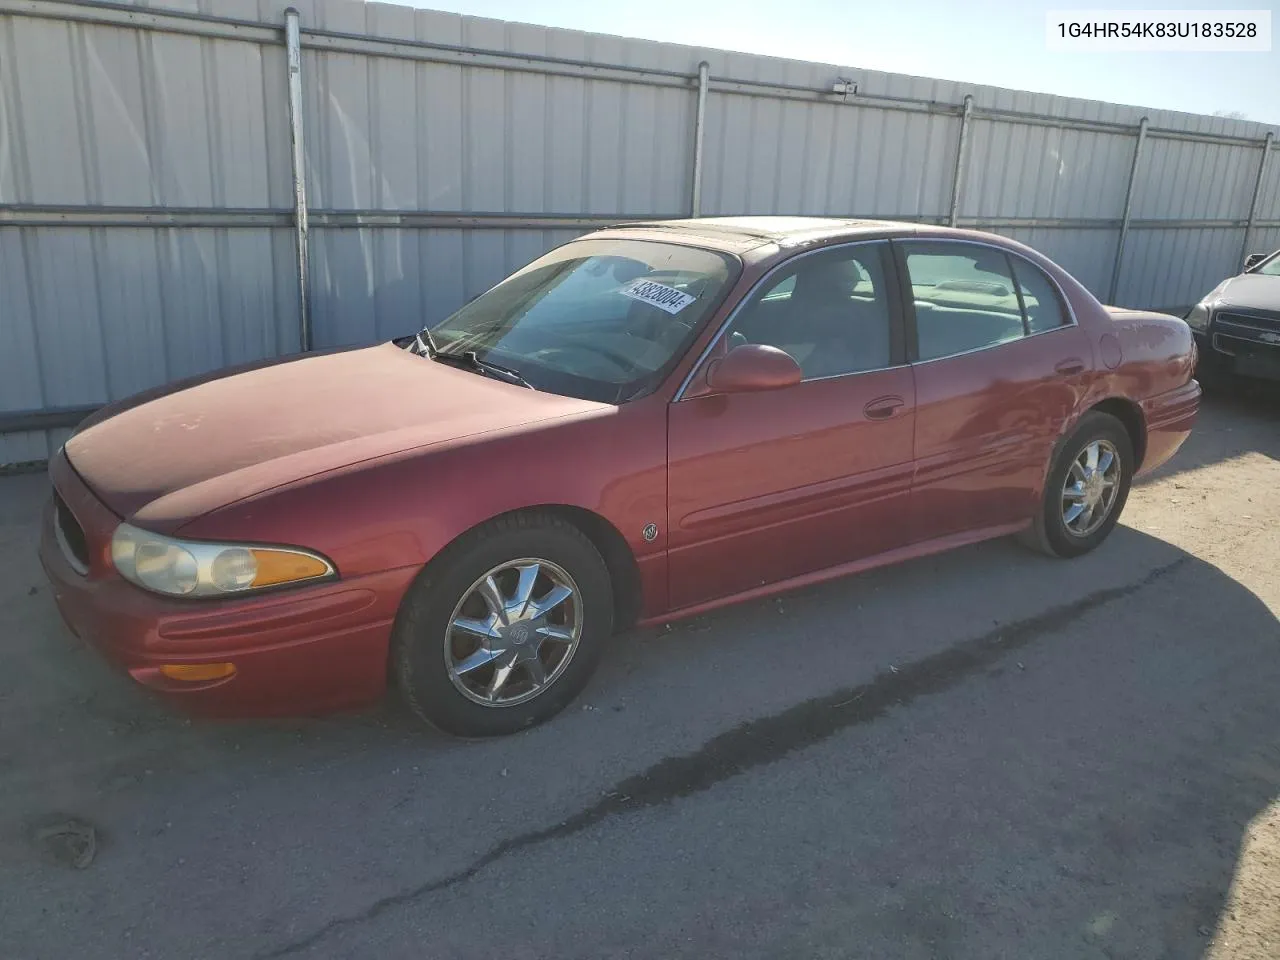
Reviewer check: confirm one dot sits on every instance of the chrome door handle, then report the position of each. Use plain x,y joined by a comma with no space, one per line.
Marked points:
882,408
1070,367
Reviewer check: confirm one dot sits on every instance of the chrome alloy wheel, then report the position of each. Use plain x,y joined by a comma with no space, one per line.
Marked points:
513,632
1089,491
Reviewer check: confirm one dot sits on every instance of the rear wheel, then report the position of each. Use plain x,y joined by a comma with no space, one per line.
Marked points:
505,628
1086,489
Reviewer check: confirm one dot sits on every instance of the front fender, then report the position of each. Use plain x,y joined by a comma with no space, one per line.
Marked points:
403,510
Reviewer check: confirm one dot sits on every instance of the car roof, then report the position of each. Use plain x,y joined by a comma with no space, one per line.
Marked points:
740,234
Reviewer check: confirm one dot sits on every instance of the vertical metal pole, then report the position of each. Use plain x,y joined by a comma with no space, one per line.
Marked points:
293,43
699,124
1128,209
958,176
1257,192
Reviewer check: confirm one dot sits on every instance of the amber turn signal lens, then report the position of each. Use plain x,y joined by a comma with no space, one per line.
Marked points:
195,672
282,566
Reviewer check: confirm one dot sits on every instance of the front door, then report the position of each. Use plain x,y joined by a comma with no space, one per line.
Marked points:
772,485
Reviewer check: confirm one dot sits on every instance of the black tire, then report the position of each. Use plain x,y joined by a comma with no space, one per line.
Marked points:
417,646
1048,532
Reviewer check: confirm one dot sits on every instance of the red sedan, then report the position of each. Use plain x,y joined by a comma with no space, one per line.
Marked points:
645,423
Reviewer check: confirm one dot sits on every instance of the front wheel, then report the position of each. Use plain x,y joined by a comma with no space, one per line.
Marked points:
505,628
1086,488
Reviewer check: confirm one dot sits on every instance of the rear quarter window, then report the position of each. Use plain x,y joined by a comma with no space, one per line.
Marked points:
1039,297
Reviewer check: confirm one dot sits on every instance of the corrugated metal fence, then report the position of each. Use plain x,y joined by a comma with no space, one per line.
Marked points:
148,225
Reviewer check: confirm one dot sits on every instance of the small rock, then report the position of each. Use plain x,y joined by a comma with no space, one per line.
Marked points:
33,591
1021,665
504,771
1204,931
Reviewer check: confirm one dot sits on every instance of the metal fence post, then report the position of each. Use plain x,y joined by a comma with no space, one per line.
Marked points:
957,177
1257,192
699,124
293,43
1128,209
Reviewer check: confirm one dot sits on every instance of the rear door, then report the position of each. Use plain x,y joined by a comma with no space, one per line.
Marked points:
999,367
772,485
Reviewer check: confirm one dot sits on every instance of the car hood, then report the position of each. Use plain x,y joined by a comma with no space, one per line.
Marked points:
167,456
1250,290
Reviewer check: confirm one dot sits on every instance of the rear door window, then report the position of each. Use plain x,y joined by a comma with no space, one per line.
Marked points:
965,297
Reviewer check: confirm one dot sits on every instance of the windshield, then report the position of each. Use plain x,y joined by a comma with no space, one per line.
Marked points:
601,320
1269,267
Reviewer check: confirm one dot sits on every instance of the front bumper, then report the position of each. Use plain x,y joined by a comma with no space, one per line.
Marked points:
295,652
1241,344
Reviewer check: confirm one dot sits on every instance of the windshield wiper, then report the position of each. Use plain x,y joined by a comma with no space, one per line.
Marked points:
468,360
426,343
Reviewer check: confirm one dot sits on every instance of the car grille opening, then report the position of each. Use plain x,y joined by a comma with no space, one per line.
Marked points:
1258,329
71,535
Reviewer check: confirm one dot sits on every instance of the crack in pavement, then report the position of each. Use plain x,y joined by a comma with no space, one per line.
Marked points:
764,740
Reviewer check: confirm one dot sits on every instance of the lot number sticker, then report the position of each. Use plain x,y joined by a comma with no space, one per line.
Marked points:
657,294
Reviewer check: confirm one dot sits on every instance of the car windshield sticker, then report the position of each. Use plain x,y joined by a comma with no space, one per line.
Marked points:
657,294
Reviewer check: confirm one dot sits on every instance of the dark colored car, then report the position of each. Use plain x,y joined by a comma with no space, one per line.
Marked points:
643,424
1237,325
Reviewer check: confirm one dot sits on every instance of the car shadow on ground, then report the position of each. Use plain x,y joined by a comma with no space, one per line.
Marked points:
1088,742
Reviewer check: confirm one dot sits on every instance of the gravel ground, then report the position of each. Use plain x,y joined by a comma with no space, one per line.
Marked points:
984,754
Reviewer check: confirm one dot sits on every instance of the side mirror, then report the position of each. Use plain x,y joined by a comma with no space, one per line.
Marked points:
1253,259
752,367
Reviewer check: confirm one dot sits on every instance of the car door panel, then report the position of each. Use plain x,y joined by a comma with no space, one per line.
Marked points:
986,424
987,419
767,486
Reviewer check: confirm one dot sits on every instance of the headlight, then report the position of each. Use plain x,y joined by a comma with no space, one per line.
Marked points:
1198,317
184,568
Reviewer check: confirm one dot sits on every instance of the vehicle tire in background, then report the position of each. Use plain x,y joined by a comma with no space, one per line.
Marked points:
1086,488
1213,373
504,628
